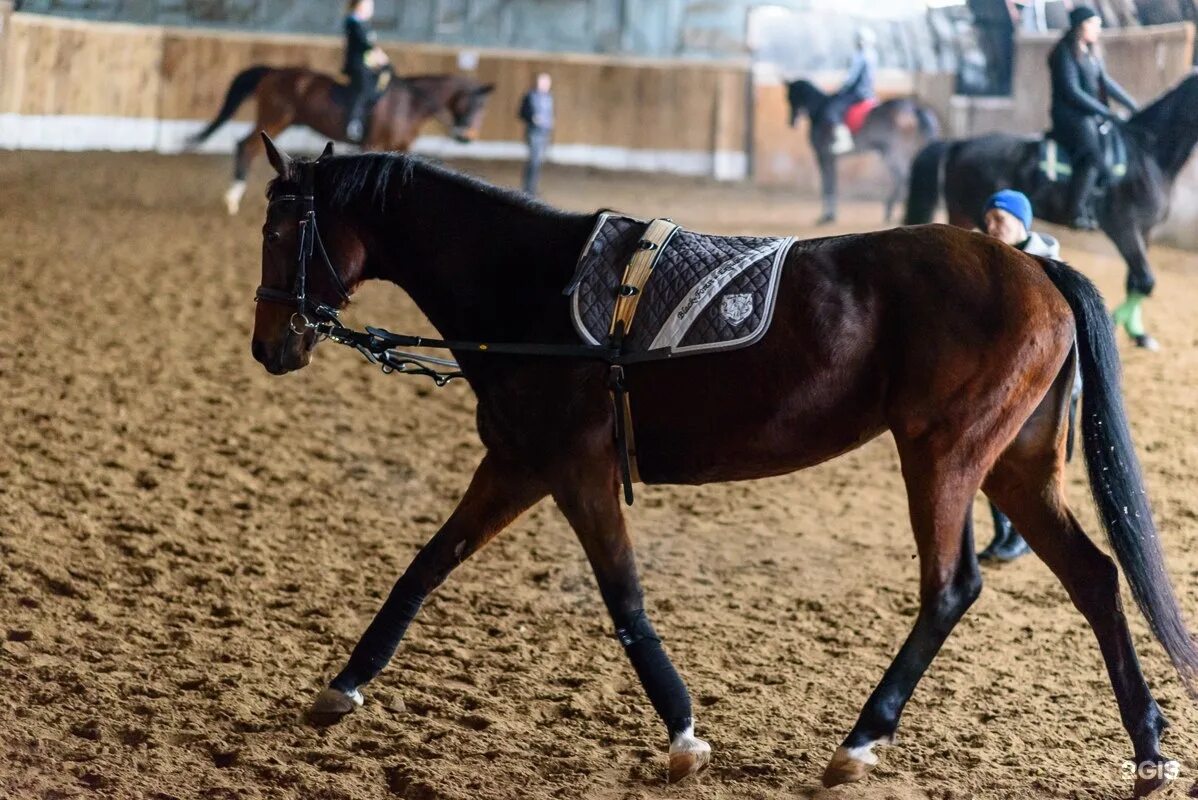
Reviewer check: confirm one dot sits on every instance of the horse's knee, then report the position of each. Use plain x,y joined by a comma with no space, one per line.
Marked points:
945,607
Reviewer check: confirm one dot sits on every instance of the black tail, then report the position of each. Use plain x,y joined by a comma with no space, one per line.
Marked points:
1114,471
929,123
242,87
923,194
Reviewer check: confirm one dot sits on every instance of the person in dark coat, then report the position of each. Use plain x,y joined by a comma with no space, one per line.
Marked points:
858,86
995,22
363,61
1081,95
536,110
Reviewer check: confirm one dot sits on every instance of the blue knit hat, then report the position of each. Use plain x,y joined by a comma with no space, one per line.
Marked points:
1014,203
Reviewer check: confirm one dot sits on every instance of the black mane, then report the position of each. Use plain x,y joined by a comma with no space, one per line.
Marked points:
1168,127
375,177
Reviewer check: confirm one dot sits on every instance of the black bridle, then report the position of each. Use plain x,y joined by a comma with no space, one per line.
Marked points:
379,346
310,243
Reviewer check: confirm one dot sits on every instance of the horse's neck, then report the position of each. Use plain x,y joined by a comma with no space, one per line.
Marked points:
814,99
1169,130
478,266
427,98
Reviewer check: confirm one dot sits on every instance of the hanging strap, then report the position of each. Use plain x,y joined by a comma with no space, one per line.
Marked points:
636,276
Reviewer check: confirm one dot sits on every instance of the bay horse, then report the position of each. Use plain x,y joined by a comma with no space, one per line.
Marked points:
300,96
895,130
1160,139
961,347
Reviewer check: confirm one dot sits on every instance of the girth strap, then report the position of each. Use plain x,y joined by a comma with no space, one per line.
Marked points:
636,276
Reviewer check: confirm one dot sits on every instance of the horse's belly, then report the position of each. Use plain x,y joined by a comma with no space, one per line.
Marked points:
727,428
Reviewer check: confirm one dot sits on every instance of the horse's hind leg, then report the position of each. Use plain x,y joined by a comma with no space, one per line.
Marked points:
248,149
940,490
498,493
588,494
1026,483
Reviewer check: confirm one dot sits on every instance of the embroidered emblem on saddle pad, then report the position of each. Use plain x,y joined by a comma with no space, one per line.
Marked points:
705,294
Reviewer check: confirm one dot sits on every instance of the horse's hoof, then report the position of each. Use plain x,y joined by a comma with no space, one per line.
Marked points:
333,704
1151,776
1146,342
688,756
826,219
850,764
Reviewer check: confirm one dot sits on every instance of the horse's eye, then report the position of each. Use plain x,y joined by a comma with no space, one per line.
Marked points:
273,236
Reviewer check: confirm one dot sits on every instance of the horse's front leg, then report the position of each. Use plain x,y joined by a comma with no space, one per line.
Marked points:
499,492
588,494
1129,315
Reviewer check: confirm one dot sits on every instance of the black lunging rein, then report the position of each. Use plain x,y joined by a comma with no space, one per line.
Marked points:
378,346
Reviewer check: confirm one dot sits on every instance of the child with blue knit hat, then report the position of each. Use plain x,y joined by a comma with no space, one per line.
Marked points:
1007,217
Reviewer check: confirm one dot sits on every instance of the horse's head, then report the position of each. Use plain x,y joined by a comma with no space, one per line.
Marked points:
800,96
466,107
307,271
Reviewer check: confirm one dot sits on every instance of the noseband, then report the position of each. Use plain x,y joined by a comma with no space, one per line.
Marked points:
310,243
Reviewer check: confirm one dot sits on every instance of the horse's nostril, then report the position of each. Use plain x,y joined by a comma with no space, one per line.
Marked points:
259,351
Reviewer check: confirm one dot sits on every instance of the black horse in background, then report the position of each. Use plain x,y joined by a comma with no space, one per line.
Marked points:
1159,139
895,130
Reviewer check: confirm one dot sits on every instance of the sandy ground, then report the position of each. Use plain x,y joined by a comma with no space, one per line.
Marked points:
189,548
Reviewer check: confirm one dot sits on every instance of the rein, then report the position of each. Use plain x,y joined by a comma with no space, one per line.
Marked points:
379,346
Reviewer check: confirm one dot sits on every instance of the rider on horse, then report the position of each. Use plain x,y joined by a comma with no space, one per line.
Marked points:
1081,93
364,60
857,88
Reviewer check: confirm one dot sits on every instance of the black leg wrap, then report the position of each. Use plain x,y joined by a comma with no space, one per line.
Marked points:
665,688
379,642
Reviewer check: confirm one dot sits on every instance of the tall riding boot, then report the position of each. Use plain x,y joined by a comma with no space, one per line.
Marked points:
1081,189
1008,545
355,128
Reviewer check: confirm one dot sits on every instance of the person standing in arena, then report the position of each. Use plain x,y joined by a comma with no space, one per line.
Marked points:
1008,218
995,22
858,87
363,62
1081,94
536,110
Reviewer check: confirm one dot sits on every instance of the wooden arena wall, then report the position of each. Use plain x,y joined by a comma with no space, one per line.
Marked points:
68,84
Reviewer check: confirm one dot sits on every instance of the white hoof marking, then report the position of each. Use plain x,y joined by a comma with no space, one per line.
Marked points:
688,755
233,197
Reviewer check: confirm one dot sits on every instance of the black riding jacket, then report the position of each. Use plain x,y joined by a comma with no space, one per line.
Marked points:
359,40
1081,86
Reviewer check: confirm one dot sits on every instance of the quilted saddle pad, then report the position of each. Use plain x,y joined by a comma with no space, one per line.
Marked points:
706,293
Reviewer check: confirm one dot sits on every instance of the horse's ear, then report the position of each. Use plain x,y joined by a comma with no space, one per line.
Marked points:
485,89
328,152
278,159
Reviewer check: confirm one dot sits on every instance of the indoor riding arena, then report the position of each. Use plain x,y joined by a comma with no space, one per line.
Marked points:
193,544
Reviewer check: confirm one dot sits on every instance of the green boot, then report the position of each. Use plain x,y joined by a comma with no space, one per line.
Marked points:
1130,316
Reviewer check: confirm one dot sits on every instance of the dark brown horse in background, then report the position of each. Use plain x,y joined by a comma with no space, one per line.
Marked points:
299,96
896,130
961,347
